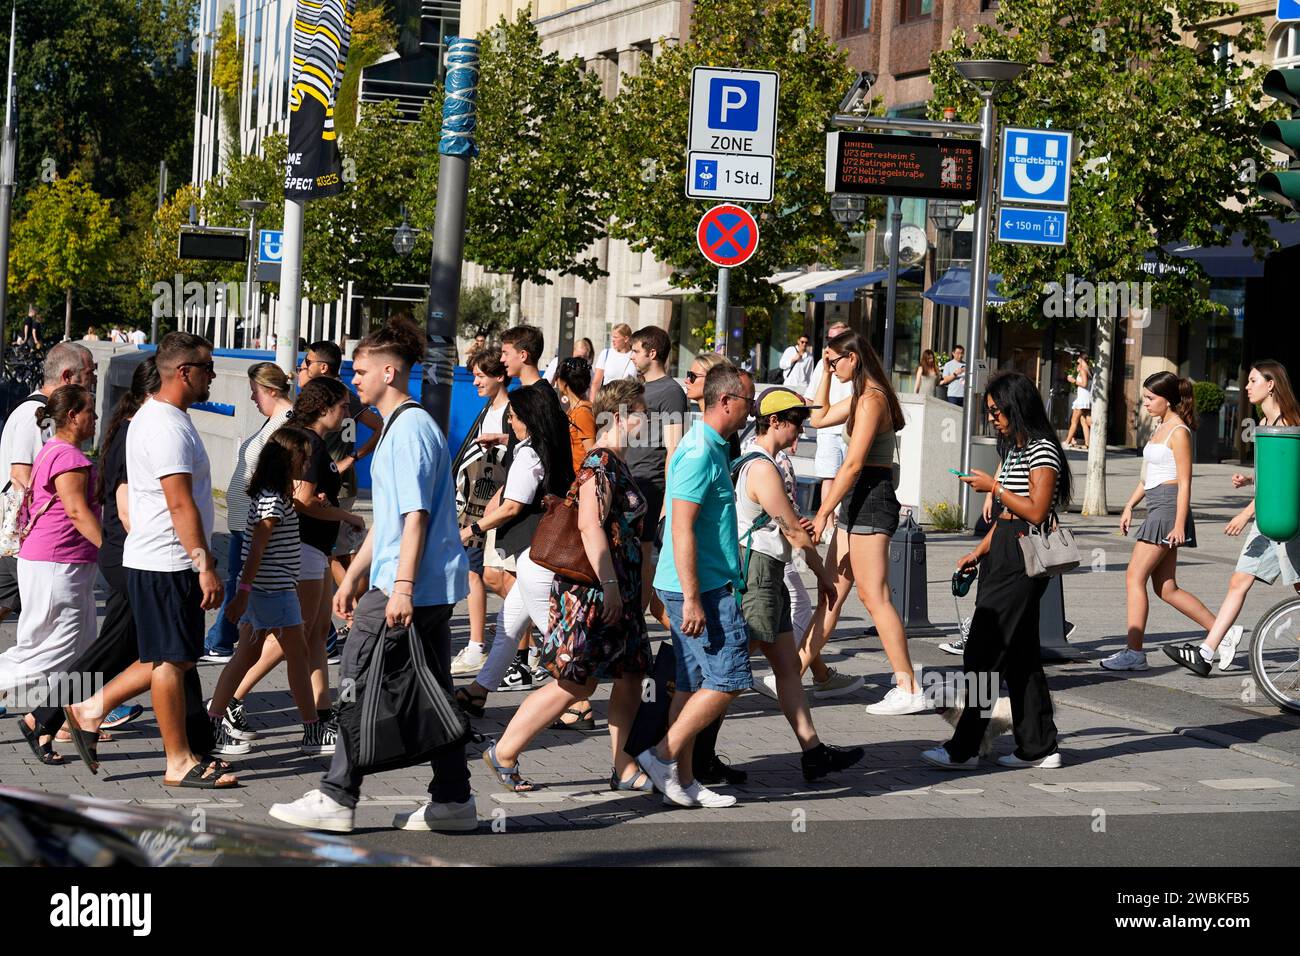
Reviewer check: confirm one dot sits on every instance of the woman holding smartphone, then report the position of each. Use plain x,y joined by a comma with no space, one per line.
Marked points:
1167,488
1033,480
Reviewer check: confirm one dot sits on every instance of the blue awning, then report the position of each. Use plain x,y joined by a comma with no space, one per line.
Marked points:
1236,260
843,290
953,288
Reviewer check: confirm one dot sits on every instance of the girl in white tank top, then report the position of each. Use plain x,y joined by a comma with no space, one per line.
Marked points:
1168,525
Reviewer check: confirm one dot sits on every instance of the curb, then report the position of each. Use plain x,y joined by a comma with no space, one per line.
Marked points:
1260,751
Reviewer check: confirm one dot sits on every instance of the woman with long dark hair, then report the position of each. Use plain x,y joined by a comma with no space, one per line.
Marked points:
927,375
319,410
868,518
1003,641
542,465
573,382
1269,387
1167,488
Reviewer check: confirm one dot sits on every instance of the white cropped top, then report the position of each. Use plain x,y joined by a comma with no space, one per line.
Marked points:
1159,458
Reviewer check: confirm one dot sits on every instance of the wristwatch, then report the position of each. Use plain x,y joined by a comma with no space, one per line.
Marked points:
476,530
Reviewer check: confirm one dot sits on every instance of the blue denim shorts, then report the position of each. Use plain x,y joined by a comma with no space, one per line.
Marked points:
718,659
268,610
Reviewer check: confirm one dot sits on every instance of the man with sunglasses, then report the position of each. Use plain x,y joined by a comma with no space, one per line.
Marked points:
797,364
697,577
171,571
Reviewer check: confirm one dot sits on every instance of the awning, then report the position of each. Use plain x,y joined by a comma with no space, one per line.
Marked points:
660,289
953,288
805,281
1236,260
843,290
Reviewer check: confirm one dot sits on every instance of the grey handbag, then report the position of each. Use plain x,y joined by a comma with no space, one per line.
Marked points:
1049,550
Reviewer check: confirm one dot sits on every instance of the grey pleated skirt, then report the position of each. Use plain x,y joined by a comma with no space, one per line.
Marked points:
1162,513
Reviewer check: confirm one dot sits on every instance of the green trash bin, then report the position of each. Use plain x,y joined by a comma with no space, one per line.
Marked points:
1277,482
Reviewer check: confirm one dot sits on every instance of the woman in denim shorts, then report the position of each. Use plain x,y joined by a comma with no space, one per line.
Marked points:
1262,559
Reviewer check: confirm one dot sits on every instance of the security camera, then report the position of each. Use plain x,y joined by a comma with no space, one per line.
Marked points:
857,99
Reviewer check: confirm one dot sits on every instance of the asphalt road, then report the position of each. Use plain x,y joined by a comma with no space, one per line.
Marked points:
1147,840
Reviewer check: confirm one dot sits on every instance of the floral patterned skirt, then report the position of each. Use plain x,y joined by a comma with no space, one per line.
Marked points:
580,646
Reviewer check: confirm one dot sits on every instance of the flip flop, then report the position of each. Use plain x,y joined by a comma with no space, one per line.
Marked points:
44,751
63,737
197,779
86,741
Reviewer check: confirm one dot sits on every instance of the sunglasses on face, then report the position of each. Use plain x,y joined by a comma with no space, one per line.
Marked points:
693,376
751,403
209,367
993,411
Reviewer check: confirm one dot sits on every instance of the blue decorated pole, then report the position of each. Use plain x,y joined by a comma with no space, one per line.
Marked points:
455,148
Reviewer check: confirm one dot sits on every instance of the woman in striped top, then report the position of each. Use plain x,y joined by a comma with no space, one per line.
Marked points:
266,598
269,391
1003,638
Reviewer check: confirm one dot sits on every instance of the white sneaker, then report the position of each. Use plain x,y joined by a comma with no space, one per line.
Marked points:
835,685
1228,648
664,777
315,811
939,757
957,647
702,796
767,686
1126,660
469,661
897,703
440,817
1050,762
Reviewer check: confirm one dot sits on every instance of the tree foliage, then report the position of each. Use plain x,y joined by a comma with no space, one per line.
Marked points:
63,242
535,201
647,161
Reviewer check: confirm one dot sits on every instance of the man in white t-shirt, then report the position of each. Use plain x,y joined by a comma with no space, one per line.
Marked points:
614,362
67,363
953,375
171,571
137,337
830,441
797,363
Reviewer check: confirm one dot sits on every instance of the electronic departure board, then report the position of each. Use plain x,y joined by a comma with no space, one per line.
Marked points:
915,166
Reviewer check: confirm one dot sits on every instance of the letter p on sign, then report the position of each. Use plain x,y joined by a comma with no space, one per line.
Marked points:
733,104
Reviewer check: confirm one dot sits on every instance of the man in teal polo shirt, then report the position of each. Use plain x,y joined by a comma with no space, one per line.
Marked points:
699,570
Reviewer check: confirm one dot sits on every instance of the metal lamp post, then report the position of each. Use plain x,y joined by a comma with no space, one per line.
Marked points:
946,216
848,209
252,207
987,76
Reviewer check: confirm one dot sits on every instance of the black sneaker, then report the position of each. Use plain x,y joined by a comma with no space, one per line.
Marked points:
518,677
319,738
718,772
1189,655
224,744
827,758
238,721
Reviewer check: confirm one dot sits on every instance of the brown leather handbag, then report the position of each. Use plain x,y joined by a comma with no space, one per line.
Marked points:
557,545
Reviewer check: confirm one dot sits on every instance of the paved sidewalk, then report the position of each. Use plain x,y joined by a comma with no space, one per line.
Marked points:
1152,743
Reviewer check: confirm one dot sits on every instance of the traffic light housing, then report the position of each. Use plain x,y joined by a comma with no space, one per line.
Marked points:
1283,136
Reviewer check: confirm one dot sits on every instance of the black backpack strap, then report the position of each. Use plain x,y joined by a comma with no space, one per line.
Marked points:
392,418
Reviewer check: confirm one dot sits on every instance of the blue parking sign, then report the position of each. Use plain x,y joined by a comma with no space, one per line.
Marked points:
1035,166
733,104
706,174
1288,9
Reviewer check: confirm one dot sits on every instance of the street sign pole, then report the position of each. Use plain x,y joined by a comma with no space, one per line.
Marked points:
979,292
720,320
896,227
286,345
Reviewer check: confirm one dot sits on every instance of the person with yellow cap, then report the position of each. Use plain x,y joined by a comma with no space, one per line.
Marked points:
769,529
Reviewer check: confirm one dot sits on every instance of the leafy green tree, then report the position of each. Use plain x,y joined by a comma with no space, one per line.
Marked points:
373,34
104,87
647,160
1165,131
63,242
535,200
227,76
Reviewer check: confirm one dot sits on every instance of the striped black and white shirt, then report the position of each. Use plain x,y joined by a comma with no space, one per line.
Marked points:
282,556
1039,453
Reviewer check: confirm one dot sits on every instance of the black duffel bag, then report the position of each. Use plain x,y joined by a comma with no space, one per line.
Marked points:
397,714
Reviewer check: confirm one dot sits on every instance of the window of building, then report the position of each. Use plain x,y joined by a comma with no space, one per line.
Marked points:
909,10
856,17
1286,52
986,5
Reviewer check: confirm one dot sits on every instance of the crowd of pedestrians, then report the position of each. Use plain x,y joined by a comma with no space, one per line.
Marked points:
681,520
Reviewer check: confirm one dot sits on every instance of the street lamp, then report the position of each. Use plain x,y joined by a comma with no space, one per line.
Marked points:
252,207
404,237
848,208
987,76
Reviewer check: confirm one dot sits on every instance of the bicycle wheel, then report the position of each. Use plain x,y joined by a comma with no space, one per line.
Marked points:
1275,654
